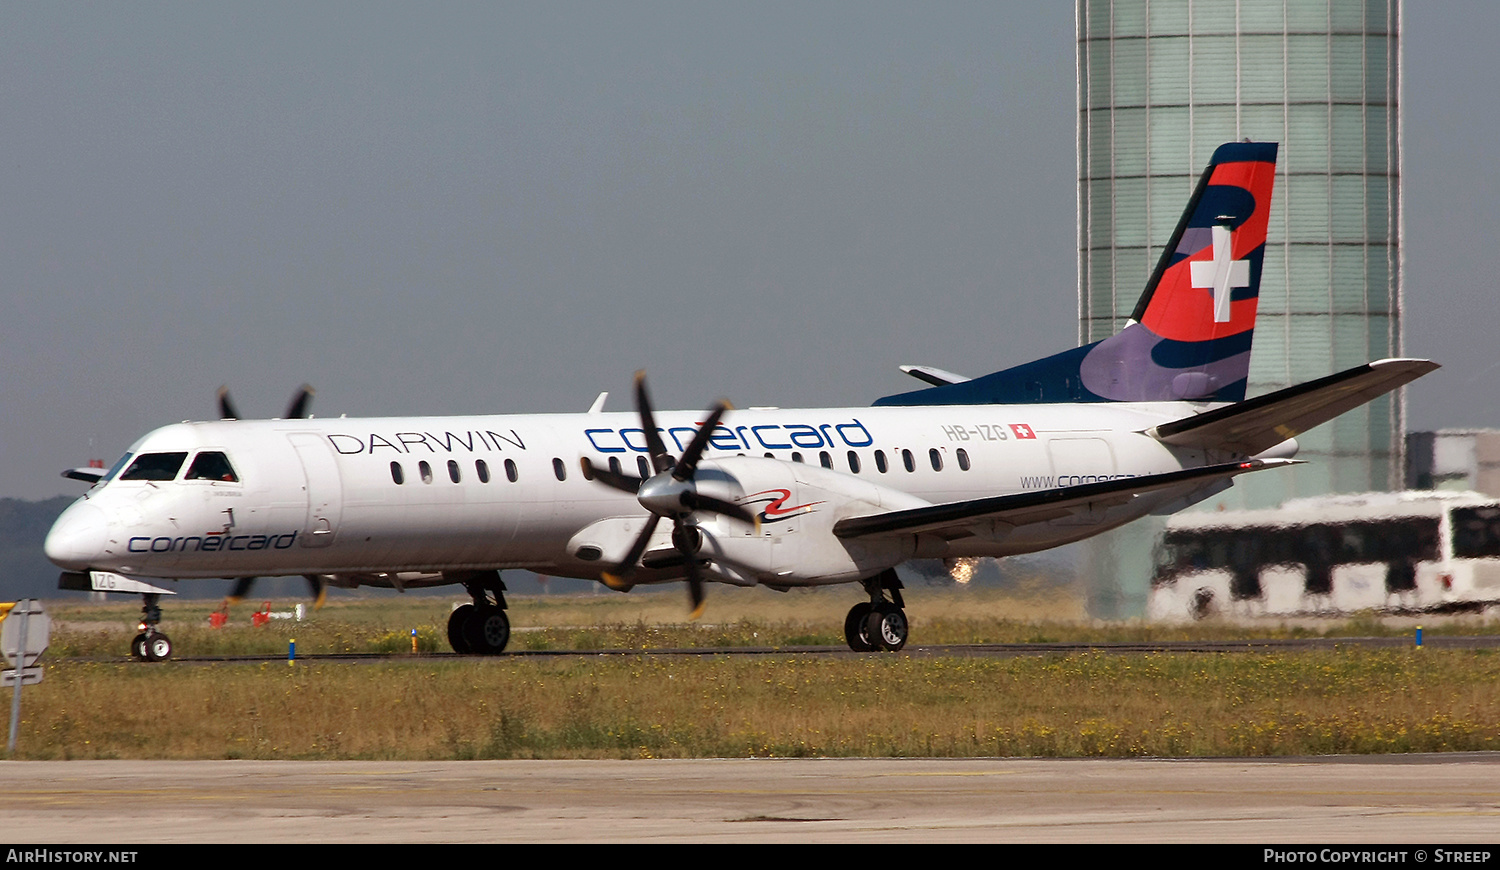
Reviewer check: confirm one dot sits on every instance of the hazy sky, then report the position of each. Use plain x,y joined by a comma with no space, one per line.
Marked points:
491,208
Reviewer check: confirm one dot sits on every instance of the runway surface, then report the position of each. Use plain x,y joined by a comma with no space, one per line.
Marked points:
1440,799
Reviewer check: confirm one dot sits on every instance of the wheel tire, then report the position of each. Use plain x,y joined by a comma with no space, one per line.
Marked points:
138,647
887,628
456,621
487,631
158,648
855,633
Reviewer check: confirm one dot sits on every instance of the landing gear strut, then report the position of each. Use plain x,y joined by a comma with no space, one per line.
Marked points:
481,628
879,624
151,645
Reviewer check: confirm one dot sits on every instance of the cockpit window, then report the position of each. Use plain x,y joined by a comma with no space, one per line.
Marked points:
155,466
115,469
211,465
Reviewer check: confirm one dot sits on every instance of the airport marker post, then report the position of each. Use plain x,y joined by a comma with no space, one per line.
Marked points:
24,633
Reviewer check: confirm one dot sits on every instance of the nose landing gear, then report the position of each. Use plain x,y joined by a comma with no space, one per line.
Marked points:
878,624
151,645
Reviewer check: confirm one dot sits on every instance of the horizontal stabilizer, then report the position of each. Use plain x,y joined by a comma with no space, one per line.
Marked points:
935,376
1034,507
1261,423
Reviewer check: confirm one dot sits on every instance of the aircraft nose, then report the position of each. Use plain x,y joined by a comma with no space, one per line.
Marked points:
78,538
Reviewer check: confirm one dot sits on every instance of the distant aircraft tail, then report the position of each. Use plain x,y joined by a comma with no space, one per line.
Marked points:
1189,336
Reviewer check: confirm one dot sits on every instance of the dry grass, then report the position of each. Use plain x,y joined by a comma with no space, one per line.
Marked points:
655,620
443,707
1350,701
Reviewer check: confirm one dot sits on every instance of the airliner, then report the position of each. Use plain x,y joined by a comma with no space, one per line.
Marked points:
1148,421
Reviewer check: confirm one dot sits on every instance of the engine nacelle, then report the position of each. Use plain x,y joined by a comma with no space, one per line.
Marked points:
798,505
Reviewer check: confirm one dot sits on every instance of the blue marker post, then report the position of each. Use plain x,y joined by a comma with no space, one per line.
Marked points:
291,652
1419,637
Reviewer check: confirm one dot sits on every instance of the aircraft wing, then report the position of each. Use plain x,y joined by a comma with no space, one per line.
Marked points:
1261,423
1024,508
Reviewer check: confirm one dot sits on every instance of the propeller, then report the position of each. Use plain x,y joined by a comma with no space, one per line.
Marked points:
296,409
315,586
669,493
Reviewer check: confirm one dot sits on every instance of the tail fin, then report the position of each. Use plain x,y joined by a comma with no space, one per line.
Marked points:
1189,337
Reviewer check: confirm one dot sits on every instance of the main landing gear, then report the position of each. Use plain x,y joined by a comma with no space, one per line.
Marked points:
151,645
879,624
481,628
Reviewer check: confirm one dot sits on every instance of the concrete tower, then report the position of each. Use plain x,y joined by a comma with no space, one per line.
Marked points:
1161,83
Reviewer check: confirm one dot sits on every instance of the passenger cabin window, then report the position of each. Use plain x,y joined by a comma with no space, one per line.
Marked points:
880,461
559,469
936,458
642,466
425,471
397,474
155,466
796,457
482,469
511,473
824,459
211,465
453,470
854,462
906,460
963,459
614,465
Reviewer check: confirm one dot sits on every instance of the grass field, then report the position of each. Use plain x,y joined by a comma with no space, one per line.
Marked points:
442,707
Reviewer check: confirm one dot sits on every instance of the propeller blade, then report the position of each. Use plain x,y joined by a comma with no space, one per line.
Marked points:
687,540
226,407
297,408
623,482
241,589
617,578
694,452
695,585
660,461
699,502
318,589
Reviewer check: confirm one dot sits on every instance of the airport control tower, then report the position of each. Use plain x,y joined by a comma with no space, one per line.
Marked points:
1161,83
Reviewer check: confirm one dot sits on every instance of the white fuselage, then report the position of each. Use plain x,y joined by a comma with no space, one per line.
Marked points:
321,496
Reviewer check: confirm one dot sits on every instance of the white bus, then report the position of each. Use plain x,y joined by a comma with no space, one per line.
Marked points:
1388,551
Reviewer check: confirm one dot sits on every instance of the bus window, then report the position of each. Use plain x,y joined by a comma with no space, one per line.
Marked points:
1476,532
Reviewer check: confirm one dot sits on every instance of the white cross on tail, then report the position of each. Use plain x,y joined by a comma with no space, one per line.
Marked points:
1222,274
